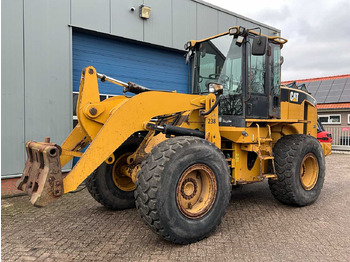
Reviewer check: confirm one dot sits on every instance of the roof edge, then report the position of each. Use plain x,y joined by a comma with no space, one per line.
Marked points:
342,105
317,79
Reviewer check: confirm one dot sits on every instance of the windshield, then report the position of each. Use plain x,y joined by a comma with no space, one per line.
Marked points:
219,61
250,80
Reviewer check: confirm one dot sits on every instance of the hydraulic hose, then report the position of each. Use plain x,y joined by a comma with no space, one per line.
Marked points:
213,107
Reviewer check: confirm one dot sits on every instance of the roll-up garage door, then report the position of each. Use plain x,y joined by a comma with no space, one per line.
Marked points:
149,66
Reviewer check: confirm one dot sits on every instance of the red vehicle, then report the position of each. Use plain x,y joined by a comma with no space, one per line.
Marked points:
322,135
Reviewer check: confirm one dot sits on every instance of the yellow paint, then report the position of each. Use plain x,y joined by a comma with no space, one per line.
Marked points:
154,141
115,119
237,157
327,148
212,122
75,142
120,174
277,39
127,118
196,191
309,171
106,125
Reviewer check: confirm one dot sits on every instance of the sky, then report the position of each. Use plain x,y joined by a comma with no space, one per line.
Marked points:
318,33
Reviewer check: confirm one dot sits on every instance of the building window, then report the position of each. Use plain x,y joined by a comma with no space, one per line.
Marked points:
75,99
330,119
348,119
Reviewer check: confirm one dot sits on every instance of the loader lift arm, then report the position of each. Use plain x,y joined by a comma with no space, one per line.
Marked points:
105,125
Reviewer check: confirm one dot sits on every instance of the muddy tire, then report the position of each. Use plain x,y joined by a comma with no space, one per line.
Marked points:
300,167
108,187
183,189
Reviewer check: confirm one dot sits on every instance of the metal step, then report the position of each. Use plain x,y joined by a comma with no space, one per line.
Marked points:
266,157
263,140
272,176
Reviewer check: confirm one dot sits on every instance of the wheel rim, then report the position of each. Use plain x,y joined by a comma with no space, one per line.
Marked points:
196,191
309,171
120,174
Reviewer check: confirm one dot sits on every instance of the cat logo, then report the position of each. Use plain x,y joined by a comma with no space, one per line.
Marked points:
294,96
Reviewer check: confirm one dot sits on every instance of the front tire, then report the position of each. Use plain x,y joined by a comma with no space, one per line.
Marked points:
107,184
183,189
300,168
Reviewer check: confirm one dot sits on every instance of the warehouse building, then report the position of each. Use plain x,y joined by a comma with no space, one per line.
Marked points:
46,44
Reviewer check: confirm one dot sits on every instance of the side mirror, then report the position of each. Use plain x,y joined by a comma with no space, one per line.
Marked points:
259,45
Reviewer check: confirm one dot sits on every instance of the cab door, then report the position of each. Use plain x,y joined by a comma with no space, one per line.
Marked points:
257,104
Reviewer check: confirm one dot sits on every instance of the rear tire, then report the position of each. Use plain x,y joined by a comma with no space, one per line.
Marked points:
300,168
183,189
108,187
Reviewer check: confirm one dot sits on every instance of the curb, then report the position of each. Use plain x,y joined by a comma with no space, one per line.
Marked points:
11,195
341,152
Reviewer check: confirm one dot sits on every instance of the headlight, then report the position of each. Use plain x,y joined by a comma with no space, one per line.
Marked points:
215,88
187,45
242,30
233,30
211,88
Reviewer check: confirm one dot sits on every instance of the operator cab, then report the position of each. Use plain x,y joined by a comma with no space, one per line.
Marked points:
247,66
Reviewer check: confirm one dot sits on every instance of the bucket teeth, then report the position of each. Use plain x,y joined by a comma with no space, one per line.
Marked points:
42,177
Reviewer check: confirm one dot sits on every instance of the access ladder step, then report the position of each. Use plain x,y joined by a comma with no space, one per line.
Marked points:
271,176
262,140
266,157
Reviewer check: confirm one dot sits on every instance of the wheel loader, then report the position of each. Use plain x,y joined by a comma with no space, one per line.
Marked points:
177,156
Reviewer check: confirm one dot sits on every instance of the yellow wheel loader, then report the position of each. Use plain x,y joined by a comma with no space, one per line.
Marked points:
176,156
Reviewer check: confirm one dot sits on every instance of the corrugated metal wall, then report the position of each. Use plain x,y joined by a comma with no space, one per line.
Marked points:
37,56
12,87
172,22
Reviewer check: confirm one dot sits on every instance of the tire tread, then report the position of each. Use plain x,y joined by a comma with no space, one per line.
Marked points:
146,191
285,153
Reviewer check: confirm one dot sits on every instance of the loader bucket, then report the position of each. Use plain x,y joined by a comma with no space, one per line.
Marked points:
42,177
